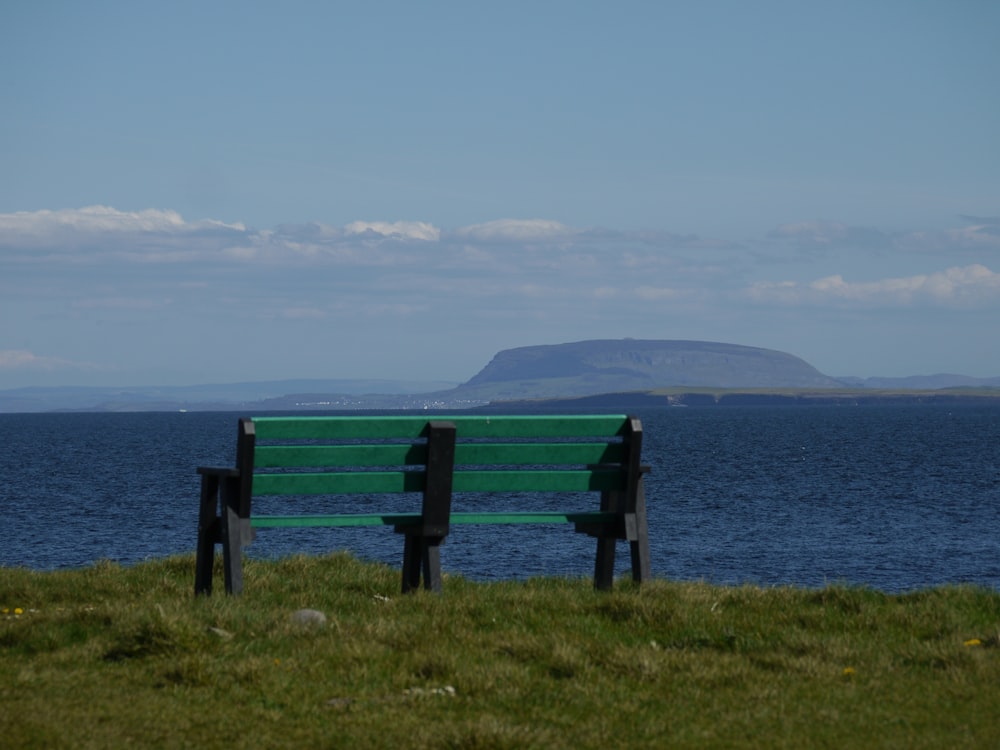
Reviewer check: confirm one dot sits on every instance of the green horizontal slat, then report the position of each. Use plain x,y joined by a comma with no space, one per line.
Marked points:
476,480
534,517
536,481
412,519
411,427
396,454
359,519
538,426
338,483
500,454
386,454
332,428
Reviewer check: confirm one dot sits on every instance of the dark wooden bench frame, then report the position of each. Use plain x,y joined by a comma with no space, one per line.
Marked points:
591,453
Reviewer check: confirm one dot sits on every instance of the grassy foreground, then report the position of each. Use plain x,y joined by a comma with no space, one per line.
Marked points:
109,656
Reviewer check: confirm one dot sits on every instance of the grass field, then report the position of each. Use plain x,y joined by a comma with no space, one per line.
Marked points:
114,657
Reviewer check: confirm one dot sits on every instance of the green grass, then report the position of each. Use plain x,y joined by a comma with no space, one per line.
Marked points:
110,657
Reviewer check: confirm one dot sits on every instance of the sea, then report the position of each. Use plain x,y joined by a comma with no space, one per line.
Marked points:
893,497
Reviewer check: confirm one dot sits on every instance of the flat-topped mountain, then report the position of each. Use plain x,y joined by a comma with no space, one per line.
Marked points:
600,371
604,366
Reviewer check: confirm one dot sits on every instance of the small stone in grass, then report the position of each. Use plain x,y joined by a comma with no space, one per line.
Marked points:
309,618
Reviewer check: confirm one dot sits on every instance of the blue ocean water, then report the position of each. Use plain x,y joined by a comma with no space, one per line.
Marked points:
893,497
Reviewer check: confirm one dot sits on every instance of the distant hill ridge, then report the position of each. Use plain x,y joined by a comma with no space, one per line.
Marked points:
609,365
604,368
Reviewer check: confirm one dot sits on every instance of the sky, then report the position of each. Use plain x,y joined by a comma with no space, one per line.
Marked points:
210,192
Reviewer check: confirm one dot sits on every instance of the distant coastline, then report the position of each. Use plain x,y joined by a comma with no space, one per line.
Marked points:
762,397
447,401
591,374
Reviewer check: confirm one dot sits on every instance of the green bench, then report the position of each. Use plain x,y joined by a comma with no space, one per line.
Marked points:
333,461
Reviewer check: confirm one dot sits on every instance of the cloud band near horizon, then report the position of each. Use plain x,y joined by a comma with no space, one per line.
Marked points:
526,280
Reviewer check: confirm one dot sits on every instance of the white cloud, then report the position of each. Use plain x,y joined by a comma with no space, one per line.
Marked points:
972,238
11,358
512,258
241,252
102,219
823,235
407,230
516,230
654,293
20,359
99,233
94,280
954,287
823,232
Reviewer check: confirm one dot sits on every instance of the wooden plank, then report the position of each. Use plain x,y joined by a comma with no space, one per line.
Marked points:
539,454
537,481
397,454
339,483
334,520
539,426
412,519
412,427
385,454
518,517
436,506
333,428
476,480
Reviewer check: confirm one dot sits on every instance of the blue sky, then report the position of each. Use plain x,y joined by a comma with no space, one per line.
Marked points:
219,191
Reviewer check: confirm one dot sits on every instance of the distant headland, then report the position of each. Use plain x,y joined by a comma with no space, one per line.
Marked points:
595,373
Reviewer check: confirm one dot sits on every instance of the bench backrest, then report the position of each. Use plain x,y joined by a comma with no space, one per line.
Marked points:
492,453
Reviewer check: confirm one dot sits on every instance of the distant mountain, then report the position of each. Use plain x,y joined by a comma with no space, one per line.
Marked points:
607,369
606,366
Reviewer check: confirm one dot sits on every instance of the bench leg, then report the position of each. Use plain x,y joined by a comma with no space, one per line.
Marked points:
641,567
636,531
604,563
208,534
604,566
432,564
411,563
232,537
422,555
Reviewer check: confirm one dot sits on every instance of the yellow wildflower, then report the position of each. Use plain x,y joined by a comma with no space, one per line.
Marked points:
973,642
